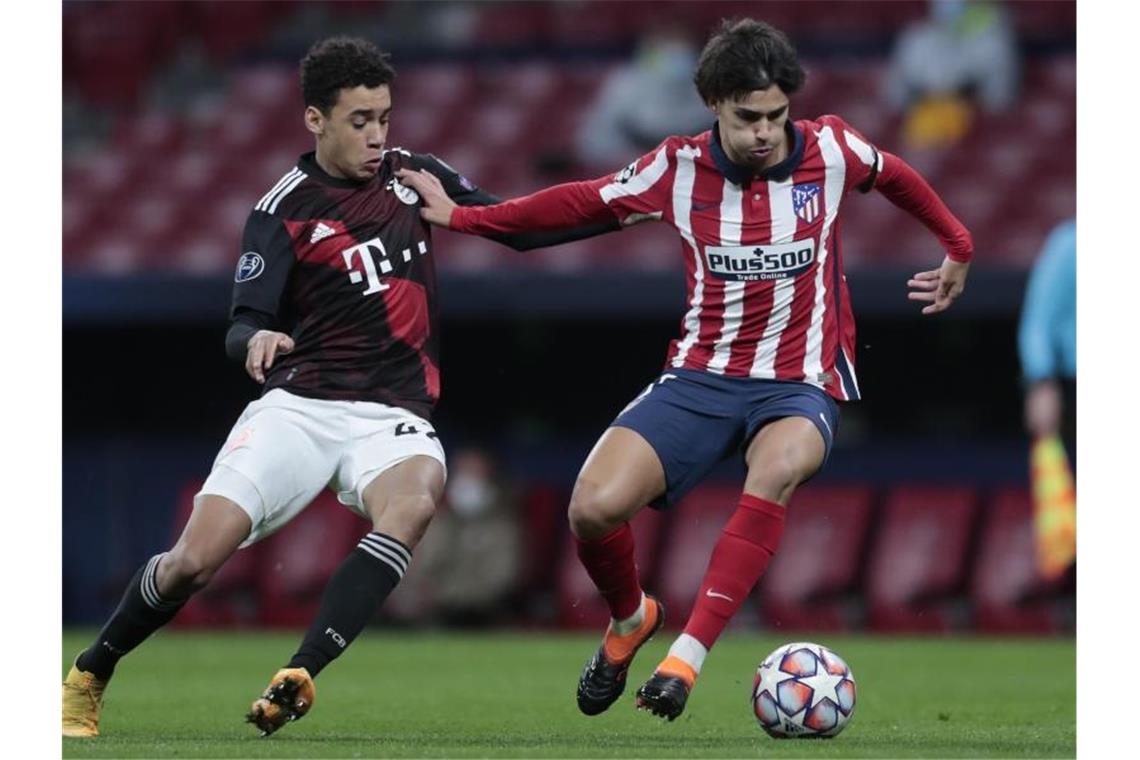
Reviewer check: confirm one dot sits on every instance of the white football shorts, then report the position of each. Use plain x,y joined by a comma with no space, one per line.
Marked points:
285,448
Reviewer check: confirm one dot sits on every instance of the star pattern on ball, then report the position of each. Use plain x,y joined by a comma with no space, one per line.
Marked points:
823,685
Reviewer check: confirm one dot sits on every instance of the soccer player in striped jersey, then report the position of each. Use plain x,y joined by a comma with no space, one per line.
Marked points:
767,344
334,313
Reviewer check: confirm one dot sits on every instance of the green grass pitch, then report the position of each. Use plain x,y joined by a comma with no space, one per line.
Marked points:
427,694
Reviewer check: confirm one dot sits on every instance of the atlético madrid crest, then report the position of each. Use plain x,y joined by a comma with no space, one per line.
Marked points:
805,201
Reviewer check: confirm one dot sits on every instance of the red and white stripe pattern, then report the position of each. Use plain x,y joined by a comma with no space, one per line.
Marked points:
797,328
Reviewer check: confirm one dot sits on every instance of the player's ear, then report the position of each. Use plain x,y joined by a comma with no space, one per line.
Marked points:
314,120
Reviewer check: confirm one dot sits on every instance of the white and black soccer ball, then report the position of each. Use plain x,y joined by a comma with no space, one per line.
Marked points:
803,689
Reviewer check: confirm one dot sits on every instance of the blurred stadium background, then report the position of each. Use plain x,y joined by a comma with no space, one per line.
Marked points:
178,115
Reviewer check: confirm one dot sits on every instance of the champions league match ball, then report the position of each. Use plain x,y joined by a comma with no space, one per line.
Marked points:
803,690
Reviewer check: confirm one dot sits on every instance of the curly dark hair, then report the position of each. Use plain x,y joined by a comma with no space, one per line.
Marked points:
745,55
336,63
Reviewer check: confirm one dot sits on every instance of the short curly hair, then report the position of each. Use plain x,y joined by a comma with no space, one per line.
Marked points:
337,63
745,55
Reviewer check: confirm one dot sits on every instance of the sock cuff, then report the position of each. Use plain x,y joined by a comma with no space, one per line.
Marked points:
148,587
757,521
689,650
388,550
748,501
618,535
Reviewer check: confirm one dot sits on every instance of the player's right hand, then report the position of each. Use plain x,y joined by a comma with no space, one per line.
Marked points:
263,348
438,205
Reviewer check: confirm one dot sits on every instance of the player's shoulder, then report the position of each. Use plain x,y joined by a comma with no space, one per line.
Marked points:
826,124
666,153
834,129
400,158
835,121
840,128
697,142
282,195
454,181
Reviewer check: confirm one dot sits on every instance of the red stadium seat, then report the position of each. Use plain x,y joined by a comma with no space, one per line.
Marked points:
812,580
231,597
225,28
1008,594
919,562
693,532
299,559
579,604
1043,18
443,87
507,23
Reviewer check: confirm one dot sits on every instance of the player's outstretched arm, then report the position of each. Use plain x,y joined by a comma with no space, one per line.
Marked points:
450,189
939,288
905,187
561,207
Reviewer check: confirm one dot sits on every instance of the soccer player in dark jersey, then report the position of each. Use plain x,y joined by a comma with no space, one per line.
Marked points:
767,344
334,312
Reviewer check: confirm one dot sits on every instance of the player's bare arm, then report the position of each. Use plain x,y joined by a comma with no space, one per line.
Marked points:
939,288
263,349
438,205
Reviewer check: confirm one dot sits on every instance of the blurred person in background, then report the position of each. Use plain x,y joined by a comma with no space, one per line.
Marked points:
334,313
767,345
644,101
963,56
475,543
467,566
1047,346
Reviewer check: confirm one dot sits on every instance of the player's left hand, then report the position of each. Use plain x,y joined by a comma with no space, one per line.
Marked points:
438,205
939,287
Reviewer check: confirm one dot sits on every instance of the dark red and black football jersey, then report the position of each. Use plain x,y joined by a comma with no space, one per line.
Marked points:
346,268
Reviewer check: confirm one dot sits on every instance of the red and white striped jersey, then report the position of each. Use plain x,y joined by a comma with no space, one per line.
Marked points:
767,297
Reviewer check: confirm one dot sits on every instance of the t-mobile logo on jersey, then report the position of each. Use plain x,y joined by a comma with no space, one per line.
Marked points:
374,267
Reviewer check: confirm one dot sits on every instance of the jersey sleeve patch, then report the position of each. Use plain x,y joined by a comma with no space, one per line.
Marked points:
249,267
631,182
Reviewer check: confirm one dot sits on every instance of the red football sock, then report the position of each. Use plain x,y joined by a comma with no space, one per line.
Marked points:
738,560
610,564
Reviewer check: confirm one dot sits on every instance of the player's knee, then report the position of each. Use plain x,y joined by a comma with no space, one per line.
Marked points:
411,512
776,477
592,512
184,571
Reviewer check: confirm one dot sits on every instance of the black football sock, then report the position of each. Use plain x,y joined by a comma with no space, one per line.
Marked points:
141,612
355,591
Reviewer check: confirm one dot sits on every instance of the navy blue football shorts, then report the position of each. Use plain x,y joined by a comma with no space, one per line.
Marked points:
695,419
